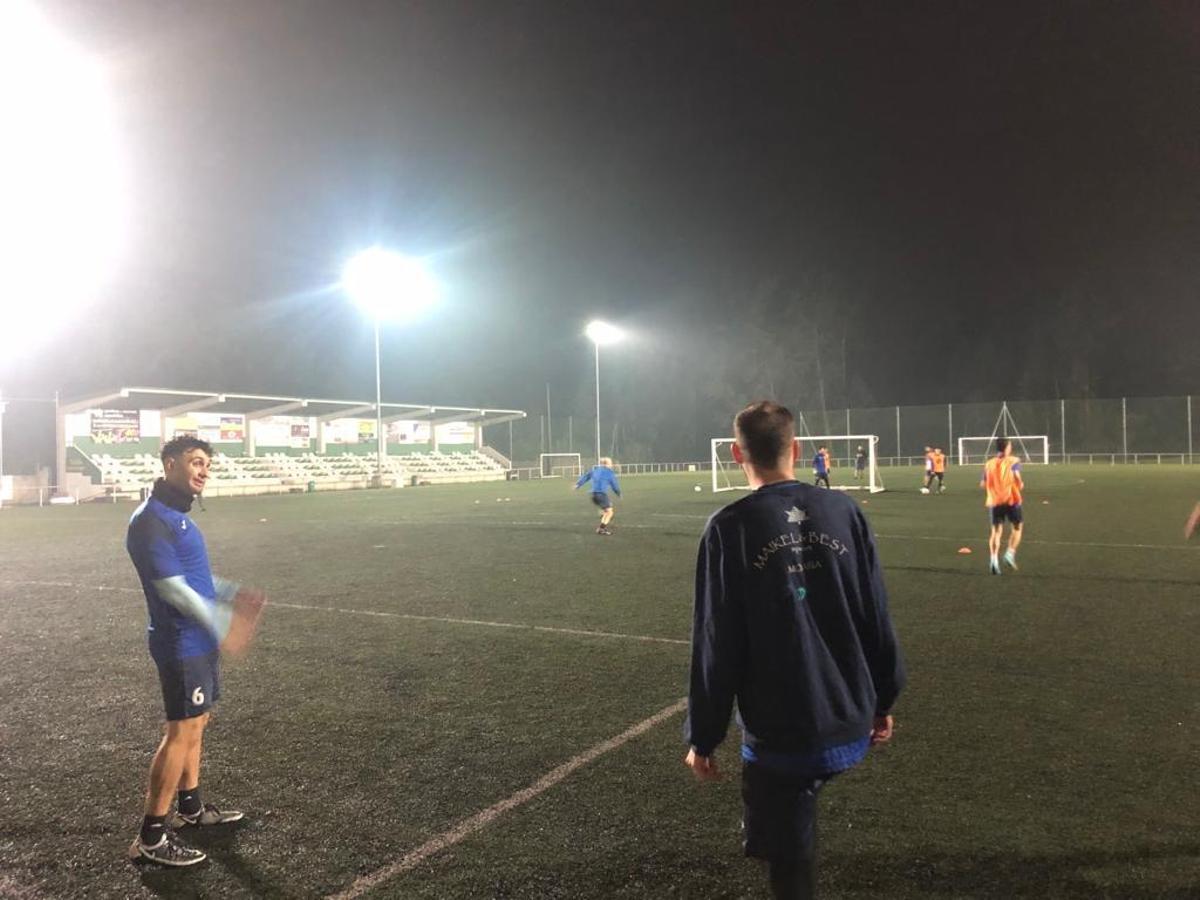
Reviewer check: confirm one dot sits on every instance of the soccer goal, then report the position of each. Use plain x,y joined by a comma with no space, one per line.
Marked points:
727,475
556,465
1032,448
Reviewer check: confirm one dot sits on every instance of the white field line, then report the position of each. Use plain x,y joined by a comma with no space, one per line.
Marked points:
480,820
448,620
549,629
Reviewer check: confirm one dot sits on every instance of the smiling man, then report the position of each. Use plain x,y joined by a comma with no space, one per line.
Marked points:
194,617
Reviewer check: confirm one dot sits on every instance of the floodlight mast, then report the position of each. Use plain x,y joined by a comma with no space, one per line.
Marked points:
386,285
601,333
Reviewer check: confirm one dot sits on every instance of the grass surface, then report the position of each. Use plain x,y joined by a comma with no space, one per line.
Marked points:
1044,745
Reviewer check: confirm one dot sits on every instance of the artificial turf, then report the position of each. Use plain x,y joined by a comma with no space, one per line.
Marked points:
1044,745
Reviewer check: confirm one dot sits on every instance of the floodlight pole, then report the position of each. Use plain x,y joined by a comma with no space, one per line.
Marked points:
380,446
597,345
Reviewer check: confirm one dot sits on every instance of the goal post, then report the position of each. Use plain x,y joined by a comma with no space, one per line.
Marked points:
976,450
556,465
727,475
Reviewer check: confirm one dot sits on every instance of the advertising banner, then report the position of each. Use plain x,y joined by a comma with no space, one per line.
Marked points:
116,426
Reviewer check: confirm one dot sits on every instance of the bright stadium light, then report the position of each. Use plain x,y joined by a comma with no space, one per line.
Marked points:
387,287
63,213
601,333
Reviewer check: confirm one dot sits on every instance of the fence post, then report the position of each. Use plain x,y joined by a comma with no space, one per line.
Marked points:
1189,417
897,435
1124,434
571,434
1062,411
950,427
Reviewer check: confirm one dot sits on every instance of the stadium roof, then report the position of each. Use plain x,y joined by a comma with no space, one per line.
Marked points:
174,402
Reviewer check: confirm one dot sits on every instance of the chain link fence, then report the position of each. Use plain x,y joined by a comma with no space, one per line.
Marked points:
1107,430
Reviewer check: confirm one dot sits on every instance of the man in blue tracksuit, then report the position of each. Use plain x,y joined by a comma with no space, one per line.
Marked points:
603,479
195,617
790,620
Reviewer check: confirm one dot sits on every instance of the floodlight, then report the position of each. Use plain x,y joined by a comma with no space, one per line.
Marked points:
601,333
63,218
388,286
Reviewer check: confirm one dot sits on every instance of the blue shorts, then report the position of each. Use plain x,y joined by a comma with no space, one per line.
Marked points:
190,686
1005,512
600,498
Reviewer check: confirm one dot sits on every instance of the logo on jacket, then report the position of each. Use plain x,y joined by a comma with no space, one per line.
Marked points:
796,515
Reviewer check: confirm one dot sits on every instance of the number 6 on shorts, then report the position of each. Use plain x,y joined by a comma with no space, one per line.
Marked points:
198,697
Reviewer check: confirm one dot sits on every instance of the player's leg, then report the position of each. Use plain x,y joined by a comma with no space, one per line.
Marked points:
1014,538
780,820
941,477
994,536
155,841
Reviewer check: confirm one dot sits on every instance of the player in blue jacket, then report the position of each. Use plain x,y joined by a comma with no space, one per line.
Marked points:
603,479
791,621
194,616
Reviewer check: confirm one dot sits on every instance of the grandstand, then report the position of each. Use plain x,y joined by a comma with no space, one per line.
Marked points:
108,444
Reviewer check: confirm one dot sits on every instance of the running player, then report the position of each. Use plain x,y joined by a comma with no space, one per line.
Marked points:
194,617
1003,483
602,478
939,469
820,463
928,470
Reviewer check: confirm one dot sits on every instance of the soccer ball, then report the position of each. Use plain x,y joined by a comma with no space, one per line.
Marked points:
924,490
697,489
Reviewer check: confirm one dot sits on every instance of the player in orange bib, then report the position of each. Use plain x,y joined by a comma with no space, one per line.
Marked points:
939,469
1003,483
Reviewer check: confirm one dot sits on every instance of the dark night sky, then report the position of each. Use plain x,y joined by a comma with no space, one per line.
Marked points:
985,199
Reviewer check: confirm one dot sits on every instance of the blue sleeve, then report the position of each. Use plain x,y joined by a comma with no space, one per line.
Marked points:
874,623
718,648
583,479
616,486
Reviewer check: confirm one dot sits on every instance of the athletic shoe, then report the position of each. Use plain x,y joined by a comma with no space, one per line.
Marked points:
994,567
607,532
208,815
1010,560
167,852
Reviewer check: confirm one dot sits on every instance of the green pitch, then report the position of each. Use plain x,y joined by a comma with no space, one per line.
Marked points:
1045,746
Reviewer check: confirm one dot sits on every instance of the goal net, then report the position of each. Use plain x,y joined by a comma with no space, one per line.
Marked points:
845,473
1032,448
557,465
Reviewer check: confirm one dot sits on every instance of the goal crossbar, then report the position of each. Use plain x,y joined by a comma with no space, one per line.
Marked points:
728,476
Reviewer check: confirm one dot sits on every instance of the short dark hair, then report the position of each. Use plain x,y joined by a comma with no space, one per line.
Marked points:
765,431
177,446
1001,444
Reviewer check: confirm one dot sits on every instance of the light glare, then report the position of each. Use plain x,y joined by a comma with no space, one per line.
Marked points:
388,286
601,333
63,218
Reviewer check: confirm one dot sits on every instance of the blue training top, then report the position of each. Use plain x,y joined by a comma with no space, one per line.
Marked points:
819,464
164,542
603,479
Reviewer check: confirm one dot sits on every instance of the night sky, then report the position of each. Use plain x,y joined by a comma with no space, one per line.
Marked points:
923,202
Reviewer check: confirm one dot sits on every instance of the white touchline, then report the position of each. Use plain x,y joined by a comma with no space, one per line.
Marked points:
483,818
549,629
486,624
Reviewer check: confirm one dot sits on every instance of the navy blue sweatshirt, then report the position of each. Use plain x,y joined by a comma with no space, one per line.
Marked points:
791,619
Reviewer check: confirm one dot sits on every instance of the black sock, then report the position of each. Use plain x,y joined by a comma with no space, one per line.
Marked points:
189,801
153,828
